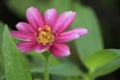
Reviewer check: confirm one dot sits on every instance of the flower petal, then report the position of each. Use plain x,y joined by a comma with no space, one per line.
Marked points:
50,17
41,48
22,36
34,17
30,46
60,50
26,46
25,27
71,35
64,21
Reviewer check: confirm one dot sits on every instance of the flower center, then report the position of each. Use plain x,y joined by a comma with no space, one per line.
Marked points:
45,35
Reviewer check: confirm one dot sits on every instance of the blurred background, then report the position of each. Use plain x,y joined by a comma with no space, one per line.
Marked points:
107,12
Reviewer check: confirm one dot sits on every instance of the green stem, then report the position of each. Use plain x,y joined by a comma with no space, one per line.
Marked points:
46,71
46,68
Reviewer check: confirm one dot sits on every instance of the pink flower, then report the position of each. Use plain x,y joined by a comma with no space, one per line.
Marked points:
47,32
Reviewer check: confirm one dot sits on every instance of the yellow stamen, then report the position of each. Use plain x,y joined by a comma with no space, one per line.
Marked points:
45,35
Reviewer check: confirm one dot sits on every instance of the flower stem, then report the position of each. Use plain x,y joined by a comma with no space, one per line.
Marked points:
46,72
46,68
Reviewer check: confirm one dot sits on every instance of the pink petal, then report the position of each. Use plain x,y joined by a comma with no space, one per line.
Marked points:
26,46
25,27
41,48
22,36
30,46
60,50
50,16
64,21
34,17
71,35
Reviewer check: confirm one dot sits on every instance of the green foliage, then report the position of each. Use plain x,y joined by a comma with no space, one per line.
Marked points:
100,59
66,69
98,63
24,4
103,62
109,67
61,5
1,55
15,66
91,42
39,59
56,68
63,69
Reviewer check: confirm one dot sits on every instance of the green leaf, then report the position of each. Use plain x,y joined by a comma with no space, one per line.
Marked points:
41,4
91,42
66,69
110,67
114,65
63,69
1,55
61,5
16,67
21,9
101,59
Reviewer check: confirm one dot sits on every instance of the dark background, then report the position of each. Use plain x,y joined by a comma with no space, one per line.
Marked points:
108,13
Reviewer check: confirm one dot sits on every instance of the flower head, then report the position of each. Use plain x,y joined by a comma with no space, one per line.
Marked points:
47,32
